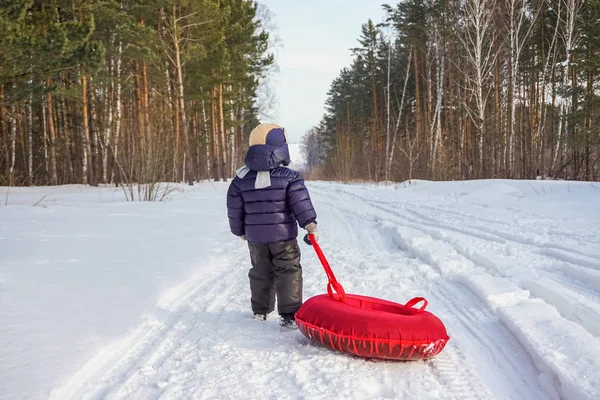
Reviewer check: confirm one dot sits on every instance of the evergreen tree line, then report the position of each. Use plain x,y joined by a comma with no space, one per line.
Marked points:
101,91
448,89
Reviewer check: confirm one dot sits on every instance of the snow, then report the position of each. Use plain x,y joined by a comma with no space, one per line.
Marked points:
563,348
102,298
496,292
570,304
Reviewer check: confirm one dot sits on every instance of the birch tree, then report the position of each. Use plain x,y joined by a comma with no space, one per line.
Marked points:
539,60
480,56
399,117
438,52
570,37
518,33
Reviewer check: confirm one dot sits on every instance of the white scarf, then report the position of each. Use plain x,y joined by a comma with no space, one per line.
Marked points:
263,178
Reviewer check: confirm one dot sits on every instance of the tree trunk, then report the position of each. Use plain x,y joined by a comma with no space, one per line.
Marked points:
216,167
23,143
500,162
109,129
139,104
45,138
88,162
171,117
522,135
146,100
225,173
30,142
95,135
53,174
13,143
575,136
428,108
232,137
107,138
589,106
241,146
194,141
512,87
3,134
452,127
558,137
388,113
418,113
570,40
400,110
476,42
176,119
544,107
207,141
437,117
516,16
62,114
181,97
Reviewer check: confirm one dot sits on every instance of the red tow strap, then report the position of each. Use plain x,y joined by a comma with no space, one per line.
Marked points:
333,284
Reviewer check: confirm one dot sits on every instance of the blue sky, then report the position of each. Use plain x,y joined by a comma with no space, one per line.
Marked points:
316,38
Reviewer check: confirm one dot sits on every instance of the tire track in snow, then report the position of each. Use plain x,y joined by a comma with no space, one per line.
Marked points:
419,221
490,336
571,305
480,231
116,363
207,337
490,343
577,276
579,262
203,337
580,312
546,247
458,381
150,371
274,359
456,374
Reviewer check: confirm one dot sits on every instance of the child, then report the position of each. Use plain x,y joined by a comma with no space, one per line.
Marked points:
264,202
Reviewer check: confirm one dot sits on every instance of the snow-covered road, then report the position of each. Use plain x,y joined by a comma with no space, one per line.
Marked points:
511,267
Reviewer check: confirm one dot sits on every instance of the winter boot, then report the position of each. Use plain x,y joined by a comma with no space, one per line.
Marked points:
287,321
260,317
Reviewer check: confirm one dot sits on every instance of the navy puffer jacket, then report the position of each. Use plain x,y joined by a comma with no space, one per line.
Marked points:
270,214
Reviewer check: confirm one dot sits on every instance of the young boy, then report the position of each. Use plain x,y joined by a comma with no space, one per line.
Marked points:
265,201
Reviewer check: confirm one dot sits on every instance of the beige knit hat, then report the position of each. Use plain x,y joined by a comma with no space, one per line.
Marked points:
259,134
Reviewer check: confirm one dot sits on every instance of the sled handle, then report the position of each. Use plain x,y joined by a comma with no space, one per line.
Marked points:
412,302
333,285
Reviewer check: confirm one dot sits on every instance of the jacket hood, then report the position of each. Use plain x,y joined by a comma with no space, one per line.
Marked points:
268,148
265,157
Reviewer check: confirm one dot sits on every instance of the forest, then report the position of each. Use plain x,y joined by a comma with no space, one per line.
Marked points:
135,91
122,91
470,89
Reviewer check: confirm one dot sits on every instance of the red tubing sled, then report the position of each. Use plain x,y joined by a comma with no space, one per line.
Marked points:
369,327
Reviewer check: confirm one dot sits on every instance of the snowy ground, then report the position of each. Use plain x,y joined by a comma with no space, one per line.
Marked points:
100,298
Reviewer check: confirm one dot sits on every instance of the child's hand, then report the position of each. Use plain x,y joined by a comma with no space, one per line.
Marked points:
312,229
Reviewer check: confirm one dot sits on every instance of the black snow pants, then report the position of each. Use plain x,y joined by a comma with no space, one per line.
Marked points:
275,269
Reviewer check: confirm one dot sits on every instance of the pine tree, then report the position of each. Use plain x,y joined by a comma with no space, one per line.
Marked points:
495,88
127,91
